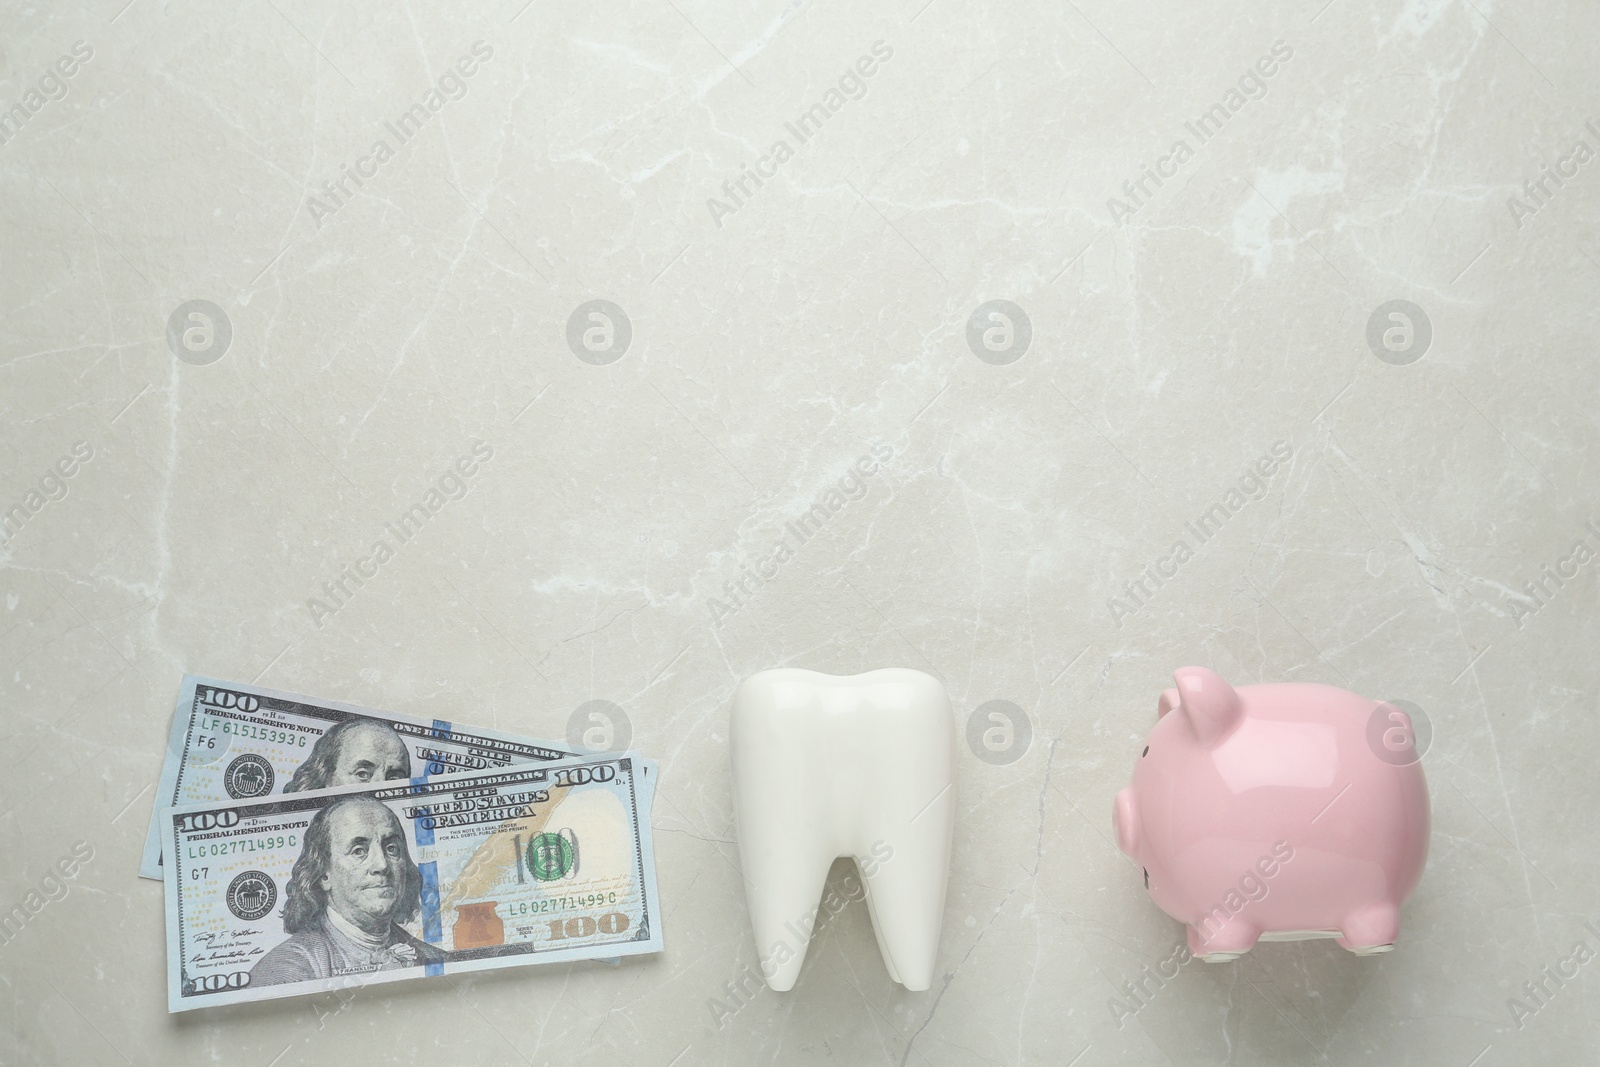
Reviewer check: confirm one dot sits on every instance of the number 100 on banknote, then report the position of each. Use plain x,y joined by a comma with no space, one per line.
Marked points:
303,893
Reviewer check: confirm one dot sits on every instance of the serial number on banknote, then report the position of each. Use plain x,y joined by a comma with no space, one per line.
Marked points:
537,907
250,732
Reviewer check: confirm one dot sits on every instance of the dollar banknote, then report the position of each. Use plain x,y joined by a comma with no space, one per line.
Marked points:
233,741
311,892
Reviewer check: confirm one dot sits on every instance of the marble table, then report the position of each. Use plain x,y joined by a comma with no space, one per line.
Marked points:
672,276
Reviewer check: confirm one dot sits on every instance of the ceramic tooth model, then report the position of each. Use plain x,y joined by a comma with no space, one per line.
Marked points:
861,766
1270,812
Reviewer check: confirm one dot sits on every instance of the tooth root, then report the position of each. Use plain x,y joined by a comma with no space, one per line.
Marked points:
784,889
863,767
905,895
877,931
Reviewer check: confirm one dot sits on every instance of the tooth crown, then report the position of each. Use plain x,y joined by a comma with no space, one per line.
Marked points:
860,766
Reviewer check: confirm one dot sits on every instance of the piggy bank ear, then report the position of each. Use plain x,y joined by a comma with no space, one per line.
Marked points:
1168,701
1210,703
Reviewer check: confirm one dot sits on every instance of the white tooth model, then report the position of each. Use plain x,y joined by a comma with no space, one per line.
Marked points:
827,766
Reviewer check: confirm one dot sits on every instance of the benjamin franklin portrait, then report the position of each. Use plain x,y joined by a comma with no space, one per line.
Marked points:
353,884
353,752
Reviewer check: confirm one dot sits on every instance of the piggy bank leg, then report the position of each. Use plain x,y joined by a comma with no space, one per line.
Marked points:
1220,944
1372,929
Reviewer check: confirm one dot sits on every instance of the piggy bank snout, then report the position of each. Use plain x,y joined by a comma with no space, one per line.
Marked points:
1125,815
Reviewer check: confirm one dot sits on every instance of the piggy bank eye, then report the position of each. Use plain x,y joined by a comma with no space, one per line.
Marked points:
1146,877
1145,753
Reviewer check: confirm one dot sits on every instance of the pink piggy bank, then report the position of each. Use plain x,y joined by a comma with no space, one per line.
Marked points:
1276,812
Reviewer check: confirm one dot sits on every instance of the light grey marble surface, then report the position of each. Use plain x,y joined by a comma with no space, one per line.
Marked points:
378,331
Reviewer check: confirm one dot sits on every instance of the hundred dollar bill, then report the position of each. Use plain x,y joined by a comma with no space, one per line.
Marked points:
310,892
233,741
